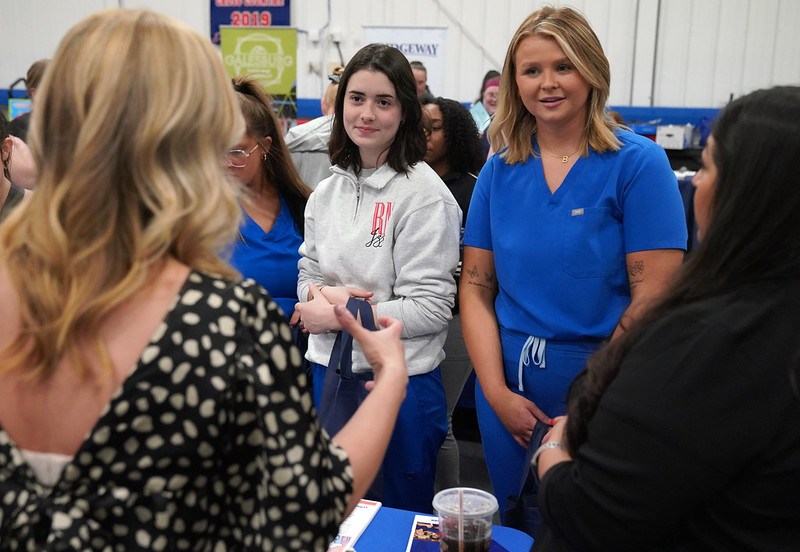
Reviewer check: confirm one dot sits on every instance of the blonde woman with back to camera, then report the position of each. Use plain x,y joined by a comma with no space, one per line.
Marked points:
149,399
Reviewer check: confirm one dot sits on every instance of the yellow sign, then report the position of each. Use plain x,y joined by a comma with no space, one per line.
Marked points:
269,55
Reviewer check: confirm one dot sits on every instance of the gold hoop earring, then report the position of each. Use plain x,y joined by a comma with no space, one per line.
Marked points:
264,157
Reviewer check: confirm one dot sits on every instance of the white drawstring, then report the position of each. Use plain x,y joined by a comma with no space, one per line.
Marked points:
533,350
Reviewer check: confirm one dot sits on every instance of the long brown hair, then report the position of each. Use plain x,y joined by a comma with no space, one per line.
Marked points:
262,122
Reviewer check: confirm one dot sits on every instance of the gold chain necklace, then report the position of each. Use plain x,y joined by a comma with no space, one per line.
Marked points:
564,158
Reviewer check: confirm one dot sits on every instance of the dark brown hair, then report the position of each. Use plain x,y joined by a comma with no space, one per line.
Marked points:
409,145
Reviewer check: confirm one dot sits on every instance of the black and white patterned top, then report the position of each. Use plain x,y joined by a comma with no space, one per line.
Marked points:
210,444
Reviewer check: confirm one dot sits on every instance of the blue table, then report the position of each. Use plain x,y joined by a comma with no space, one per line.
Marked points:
390,528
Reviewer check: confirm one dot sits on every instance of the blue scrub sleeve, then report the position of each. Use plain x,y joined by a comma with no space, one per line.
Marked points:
478,231
653,214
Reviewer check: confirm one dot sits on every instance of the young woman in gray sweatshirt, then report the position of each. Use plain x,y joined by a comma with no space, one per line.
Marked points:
383,228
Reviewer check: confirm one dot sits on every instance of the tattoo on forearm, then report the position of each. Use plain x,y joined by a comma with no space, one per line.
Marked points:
636,274
480,284
474,278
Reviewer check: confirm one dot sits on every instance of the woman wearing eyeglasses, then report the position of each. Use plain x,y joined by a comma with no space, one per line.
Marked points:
274,201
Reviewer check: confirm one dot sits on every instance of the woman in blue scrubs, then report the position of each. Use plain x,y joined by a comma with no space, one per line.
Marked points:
574,226
273,203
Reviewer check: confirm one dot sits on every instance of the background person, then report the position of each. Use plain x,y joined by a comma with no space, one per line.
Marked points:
309,142
424,93
149,399
19,126
454,152
574,227
11,195
656,457
486,105
273,203
383,227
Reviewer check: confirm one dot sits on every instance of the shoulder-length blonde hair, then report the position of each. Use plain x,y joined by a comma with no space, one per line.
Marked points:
132,119
513,125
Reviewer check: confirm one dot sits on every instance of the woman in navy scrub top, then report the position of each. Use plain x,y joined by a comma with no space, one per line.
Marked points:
272,230
574,227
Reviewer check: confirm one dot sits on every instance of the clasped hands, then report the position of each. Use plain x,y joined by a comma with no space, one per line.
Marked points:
317,314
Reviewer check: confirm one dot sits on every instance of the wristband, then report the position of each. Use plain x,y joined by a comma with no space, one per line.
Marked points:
542,448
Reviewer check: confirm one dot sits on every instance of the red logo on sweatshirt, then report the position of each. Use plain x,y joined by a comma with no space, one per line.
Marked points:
380,222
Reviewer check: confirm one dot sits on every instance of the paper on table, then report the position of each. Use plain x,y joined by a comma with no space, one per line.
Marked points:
355,524
425,536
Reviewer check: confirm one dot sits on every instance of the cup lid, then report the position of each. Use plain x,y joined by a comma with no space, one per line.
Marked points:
475,502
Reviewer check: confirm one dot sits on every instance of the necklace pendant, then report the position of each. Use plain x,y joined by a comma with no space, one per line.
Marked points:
565,159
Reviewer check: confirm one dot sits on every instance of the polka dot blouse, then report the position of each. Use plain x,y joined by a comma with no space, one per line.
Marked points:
210,444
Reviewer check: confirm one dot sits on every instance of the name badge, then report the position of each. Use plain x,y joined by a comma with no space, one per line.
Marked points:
576,212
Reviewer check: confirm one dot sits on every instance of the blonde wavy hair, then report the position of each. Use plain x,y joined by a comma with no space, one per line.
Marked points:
513,125
132,118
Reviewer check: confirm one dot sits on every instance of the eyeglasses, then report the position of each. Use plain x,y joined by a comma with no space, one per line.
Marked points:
238,158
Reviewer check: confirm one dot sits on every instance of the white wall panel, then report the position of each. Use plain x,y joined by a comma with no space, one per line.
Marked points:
760,44
728,65
710,50
786,61
703,27
672,52
645,35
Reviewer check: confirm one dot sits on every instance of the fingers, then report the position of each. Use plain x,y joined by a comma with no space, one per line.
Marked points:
389,323
314,292
295,318
539,415
356,292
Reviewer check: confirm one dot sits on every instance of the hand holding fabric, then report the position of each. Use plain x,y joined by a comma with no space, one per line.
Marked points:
519,415
383,348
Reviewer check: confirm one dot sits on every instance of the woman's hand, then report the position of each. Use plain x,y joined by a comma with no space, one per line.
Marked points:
339,295
558,431
383,348
552,456
519,415
316,315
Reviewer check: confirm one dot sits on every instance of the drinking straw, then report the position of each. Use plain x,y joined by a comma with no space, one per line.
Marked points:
461,520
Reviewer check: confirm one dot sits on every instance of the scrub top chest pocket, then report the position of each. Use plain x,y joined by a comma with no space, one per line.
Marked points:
592,243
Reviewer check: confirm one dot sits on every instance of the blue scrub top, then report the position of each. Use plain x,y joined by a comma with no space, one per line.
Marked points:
271,259
560,257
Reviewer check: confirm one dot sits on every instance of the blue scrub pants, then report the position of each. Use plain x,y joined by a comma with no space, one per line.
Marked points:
546,387
407,475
